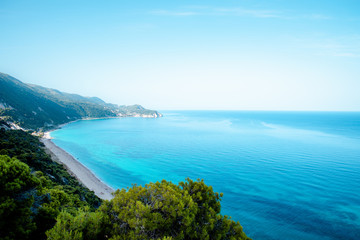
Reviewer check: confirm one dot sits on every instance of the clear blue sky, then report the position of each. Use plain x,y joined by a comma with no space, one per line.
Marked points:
189,54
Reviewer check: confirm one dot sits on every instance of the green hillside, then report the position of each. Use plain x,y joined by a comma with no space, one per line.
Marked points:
34,189
39,108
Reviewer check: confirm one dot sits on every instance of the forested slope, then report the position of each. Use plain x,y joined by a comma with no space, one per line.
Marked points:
33,188
35,107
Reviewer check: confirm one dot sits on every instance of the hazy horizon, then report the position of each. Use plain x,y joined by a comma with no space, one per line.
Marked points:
189,55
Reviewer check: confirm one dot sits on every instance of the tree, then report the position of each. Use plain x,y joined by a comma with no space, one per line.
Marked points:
161,210
83,224
34,189
27,206
17,188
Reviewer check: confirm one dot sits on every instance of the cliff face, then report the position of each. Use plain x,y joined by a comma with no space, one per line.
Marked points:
137,111
143,115
35,107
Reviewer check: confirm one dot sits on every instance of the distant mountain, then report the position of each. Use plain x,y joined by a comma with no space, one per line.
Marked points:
39,108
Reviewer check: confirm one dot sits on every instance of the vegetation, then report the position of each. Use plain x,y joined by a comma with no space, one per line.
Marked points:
34,189
16,198
35,107
28,149
161,210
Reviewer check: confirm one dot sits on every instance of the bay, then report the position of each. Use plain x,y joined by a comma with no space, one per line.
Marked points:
284,175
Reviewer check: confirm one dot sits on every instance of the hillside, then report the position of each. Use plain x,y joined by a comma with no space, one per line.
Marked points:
39,108
34,189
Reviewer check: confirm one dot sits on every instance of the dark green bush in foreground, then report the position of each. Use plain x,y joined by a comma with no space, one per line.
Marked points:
161,210
28,149
34,189
29,202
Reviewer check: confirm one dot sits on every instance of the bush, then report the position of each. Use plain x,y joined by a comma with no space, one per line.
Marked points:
161,210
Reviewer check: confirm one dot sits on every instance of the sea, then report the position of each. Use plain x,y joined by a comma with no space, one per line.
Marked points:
284,175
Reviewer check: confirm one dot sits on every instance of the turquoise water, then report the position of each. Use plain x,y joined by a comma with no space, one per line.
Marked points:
284,175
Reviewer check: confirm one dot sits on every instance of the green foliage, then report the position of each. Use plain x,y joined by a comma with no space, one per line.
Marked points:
35,107
83,224
29,149
16,197
32,197
29,108
156,210
27,207
161,210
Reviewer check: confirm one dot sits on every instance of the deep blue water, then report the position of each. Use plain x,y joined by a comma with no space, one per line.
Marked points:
284,175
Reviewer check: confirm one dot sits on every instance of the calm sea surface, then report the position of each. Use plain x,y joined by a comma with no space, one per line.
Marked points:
284,175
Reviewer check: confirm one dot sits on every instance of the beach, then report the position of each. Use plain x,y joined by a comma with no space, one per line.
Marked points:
76,169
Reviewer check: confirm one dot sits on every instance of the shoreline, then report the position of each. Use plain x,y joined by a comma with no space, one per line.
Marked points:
77,169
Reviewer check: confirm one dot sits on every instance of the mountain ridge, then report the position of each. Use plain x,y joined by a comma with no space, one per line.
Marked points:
39,108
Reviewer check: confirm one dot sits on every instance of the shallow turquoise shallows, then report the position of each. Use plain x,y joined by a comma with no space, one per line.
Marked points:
284,175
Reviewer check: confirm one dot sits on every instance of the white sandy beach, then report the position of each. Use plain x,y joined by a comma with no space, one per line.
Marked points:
75,168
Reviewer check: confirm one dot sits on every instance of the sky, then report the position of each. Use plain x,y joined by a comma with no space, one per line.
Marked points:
189,54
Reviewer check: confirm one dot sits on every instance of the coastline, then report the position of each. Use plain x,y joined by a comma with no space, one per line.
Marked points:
76,169
73,166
